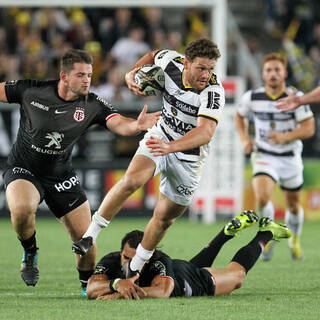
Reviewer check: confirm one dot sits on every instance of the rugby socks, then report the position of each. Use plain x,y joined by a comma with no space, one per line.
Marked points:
140,258
249,254
97,224
30,245
267,211
207,255
84,276
295,221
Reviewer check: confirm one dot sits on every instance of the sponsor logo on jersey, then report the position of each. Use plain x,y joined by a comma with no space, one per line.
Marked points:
55,139
17,170
184,190
213,100
59,112
79,114
176,124
184,107
39,105
67,184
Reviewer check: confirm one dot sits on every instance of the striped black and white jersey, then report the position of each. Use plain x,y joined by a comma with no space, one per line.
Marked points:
267,118
182,105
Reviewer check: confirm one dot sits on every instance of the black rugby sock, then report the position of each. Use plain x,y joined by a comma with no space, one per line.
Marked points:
207,255
30,245
84,276
249,254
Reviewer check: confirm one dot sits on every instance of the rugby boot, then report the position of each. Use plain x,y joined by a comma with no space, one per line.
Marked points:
267,252
279,231
29,268
295,248
82,246
243,220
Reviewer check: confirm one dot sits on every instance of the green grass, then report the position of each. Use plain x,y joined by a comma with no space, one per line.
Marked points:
279,289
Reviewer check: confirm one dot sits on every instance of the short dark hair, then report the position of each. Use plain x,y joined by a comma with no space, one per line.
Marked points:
73,56
203,48
133,238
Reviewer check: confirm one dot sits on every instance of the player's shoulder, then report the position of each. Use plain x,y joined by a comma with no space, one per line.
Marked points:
29,83
294,90
215,84
112,257
94,98
164,56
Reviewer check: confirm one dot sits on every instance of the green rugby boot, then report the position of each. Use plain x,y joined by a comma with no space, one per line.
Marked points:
243,220
279,231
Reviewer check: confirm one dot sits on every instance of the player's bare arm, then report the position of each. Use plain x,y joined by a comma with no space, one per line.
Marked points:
99,287
292,101
3,96
161,287
148,58
242,128
305,131
196,137
127,127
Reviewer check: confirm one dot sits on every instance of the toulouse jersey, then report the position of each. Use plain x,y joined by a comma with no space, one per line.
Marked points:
188,279
182,105
268,118
50,126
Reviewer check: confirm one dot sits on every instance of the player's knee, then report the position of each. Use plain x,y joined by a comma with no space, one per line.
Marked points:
20,213
130,184
164,224
239,279
262,200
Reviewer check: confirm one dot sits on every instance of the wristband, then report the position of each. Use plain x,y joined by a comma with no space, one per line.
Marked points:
113,284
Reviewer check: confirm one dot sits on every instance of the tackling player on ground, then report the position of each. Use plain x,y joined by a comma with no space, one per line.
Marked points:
176,146
163,277
54,114
276,149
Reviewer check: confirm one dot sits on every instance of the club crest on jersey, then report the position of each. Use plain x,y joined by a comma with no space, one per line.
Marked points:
79,114
272,125
174,111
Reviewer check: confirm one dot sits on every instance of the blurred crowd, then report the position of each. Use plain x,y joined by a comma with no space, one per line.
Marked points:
33,39
297,24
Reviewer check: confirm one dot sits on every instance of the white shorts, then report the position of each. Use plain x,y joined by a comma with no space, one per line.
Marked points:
285,170
179,179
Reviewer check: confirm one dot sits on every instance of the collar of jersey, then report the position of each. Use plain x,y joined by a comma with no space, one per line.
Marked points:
274,97
186,86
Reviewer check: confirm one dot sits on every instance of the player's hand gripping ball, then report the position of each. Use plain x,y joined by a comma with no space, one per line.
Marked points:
151,79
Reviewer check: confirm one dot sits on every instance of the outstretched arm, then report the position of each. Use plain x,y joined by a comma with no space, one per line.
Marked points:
128,127
293,102
3,96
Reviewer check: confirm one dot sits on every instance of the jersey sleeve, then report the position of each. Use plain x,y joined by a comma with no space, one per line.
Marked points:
109,265
244,105
162,266
107,111
303,112
163,57
212,101
14,89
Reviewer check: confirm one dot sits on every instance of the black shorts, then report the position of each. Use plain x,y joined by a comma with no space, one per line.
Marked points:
62,194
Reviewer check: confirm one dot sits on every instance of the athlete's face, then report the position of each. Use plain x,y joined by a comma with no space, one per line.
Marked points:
79,79
198,72
127,253
274,74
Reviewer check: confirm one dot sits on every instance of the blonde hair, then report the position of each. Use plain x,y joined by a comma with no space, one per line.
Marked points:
275,56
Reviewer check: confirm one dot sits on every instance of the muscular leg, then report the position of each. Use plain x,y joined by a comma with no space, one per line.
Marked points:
164,215
23,199
76,223
263,186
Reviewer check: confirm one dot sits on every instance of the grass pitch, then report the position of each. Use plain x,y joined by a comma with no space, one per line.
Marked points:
279,289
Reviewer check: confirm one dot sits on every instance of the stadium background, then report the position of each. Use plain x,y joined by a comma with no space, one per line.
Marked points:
33,39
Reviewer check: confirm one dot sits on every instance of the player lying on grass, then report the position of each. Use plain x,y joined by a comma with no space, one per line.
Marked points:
163,277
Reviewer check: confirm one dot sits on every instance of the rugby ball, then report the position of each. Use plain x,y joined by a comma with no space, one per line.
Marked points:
151,79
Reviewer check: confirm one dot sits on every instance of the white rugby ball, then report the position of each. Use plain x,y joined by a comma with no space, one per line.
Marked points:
151,79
